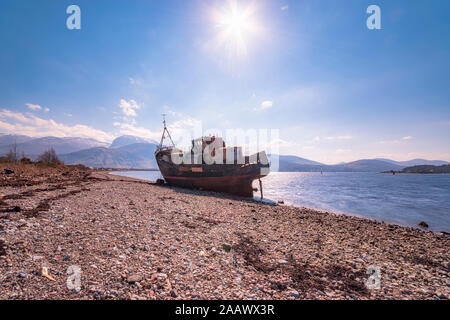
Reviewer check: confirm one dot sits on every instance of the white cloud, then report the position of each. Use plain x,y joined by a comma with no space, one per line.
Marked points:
265,105
339,138
35,107
185,129
283,8
173,113
129,107
182,130
396,141
30,125
332,138
131,129
280,143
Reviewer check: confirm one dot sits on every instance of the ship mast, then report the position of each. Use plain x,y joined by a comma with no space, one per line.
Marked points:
164,133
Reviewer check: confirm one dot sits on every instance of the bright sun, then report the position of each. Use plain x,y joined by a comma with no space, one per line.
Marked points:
237,23
236,28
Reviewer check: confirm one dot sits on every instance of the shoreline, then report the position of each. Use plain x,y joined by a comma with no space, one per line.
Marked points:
331,211
135,240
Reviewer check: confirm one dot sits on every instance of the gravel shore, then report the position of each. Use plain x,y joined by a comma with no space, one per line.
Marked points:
135,240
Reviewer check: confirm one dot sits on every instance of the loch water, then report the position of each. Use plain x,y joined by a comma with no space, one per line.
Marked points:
405,199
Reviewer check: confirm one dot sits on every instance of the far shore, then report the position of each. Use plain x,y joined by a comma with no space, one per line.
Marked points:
136,240
425,173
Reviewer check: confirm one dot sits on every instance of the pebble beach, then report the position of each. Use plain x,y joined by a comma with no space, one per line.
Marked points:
132,239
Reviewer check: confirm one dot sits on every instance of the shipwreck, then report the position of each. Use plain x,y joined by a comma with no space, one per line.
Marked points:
211,165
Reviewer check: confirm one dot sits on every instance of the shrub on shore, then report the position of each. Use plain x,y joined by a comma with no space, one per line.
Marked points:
46,159
26,160
49,157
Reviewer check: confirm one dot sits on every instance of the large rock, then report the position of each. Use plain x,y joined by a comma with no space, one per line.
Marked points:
133,278
423,224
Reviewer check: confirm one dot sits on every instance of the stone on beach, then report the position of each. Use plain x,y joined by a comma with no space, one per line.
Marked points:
423,224
134,278
8,171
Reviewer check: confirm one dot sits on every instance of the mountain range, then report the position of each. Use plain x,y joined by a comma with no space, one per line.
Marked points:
416,162
33,147
132,152
128,140
297,164
133,156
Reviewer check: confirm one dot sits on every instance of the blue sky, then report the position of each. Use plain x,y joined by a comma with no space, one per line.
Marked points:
334,89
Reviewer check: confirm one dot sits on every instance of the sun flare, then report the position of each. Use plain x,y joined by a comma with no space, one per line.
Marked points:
236,23
237,27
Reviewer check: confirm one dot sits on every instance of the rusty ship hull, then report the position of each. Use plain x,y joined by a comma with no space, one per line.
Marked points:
236,179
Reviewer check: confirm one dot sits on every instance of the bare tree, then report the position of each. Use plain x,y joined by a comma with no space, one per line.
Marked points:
12,156
49,157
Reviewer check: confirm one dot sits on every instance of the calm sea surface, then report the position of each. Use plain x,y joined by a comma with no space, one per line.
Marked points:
402,199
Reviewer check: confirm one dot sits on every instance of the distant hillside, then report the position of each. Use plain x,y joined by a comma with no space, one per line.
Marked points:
134,156
6,140
296,164
293,163
371,166
427,169
32,147
298,160
127,140
415,162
